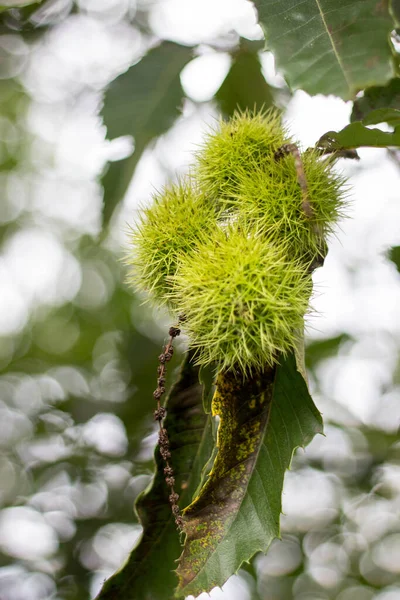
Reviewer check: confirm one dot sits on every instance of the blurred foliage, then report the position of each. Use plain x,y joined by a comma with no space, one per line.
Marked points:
7,4
394,256
377,97
78,355
143,102
190,436
245,86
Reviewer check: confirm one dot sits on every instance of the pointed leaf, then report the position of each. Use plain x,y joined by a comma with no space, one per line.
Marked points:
244,87
143,102
262,421
357,135
329,46
149,572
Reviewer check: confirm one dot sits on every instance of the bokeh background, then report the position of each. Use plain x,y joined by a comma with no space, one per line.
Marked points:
78,349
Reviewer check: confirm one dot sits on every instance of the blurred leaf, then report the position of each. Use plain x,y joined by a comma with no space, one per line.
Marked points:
14,139
149,572
394,256
35,19
143,103
7,4
383,115
244,86
329,46
382,444
395,10
322,349
374,98
357,135
262,421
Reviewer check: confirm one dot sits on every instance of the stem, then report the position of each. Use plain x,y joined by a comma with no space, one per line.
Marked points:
301,176
159,414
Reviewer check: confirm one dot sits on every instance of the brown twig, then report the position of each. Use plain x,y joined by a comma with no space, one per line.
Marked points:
306,203
159,415
301,176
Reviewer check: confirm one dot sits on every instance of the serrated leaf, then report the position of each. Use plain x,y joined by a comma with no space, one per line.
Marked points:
375,98
329,46
357,135
143,102
149,572
244,87
262,421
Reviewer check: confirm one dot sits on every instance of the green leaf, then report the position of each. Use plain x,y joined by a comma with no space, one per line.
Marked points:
394,256
143,102
322,349
357,135
329,46
395,10
149,572
244,87
262,421
375,98
383,115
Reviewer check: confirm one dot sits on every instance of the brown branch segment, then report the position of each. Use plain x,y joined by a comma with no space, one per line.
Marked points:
159,414
301,176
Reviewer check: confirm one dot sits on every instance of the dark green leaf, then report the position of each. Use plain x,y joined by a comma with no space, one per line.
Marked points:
395,10
262,421
394,256
383,115
149,572
245,86
357,135
329,46
374,98
143,102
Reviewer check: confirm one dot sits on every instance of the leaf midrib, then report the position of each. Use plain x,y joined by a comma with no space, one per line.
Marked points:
339,60
245,492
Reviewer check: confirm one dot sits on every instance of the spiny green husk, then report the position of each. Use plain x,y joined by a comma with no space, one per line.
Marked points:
237,168
166,232
271,199
231,248
244,144
243,299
